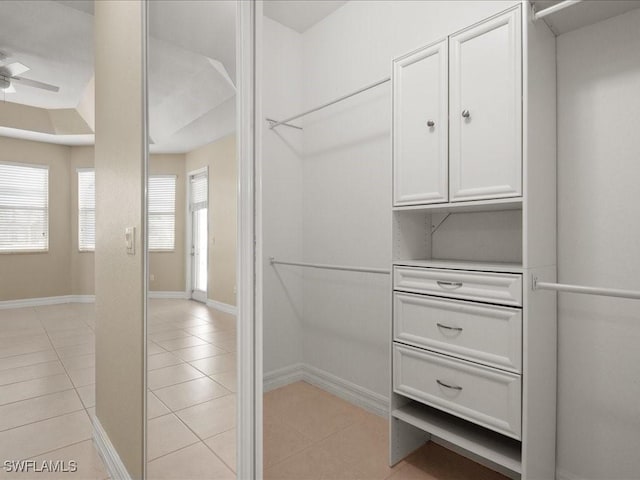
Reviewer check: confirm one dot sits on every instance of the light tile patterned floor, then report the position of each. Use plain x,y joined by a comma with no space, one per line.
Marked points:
46,389
191,399
47,395
310,434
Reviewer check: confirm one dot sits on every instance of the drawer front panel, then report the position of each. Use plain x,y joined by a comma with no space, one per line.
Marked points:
482,395
502,288
487,334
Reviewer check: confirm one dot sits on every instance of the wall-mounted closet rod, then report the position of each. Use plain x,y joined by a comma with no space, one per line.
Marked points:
332,102
330,267
606,292
555,8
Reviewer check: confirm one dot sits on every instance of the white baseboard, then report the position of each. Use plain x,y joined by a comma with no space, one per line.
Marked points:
349,391
173,295
107,451
41,301
83,299
223,307
282,376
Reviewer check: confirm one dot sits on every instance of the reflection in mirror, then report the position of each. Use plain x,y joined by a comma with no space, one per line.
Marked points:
47,235
191,326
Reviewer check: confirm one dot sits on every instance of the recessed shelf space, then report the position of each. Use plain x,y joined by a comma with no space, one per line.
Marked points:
458,434
493,237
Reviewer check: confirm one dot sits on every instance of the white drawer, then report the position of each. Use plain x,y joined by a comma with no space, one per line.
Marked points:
502,288
488,334
482,395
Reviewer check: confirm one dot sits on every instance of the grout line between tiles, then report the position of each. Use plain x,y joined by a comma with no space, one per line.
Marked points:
82,407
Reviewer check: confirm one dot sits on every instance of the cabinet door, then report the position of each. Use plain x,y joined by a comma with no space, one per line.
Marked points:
420,126
486,110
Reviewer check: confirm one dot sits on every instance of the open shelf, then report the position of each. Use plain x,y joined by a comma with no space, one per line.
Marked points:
499,267
472,206
565,16
463,435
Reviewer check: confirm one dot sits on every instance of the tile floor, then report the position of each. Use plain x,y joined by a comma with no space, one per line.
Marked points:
310,434
47,388
47,397
191,402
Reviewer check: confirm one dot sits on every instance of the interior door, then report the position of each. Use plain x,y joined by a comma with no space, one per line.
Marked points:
420,140
486,110
198,207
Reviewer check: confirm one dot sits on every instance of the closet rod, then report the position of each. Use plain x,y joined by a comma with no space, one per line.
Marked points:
328,104
273,261
555,8
607,292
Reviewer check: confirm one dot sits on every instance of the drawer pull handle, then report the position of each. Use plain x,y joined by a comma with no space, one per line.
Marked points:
447,327
449,285
452,387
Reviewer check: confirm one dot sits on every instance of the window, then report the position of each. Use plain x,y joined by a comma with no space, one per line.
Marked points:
162,212
24,208
86,209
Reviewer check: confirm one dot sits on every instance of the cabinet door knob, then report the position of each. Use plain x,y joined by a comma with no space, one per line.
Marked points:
466,113
431,123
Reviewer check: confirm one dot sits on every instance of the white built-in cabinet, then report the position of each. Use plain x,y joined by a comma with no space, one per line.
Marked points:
458,116
473,345
421,119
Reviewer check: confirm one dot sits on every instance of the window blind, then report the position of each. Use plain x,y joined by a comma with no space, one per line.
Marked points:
24,208
162,212
199,191
86,210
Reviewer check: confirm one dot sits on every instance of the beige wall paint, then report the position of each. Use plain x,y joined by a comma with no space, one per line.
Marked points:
82,268
119,278
220,157
27,275
168,268
65,270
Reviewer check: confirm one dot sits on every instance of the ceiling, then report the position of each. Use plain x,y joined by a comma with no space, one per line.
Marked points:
300,15
191,70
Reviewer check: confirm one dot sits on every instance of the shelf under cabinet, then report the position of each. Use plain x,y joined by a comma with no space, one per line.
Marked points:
500,267
459,434
513,203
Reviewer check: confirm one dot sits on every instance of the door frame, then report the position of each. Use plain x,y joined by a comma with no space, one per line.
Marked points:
189,234
249,257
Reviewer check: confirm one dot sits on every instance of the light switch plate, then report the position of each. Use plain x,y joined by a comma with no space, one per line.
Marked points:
130,239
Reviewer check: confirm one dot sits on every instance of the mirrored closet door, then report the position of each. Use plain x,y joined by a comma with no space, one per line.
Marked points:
191,324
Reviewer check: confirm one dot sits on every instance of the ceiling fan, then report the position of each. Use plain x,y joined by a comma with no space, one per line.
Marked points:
10,74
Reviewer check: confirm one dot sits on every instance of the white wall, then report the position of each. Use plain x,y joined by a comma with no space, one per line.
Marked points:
347,176
598,239
281,197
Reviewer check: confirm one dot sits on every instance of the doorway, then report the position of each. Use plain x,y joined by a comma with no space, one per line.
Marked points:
199,233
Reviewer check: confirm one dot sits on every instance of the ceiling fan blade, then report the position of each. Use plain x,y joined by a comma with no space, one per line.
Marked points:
36,84
15,68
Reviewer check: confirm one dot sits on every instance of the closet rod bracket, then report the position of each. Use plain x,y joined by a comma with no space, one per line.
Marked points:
272,123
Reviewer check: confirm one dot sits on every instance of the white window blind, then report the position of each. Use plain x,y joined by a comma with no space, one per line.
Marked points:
86,210
162,212
199,191
24,208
